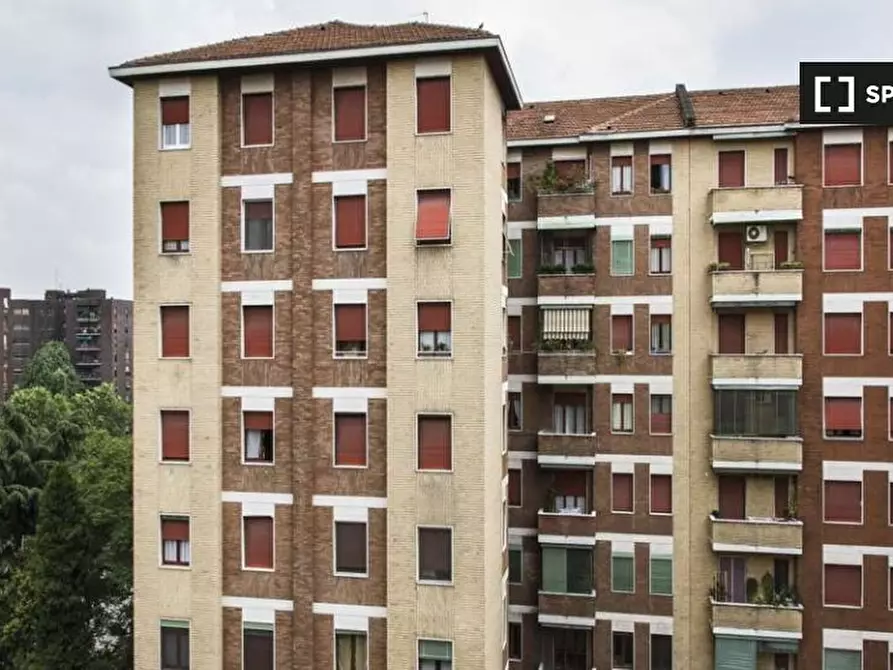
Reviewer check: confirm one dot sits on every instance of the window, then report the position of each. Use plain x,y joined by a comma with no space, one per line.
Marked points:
622,653
515,259
435,554
661,494
514,333
435,655
435,439
516,559
567,254
567,570
621,333
434,107
661,414
840,659
731,169
843,418
515,413
435,328
514,490
257,331
732,496
174,331
258,228
661,577
843,585
174,435
175,541
349,113
350,440
258,646
258,542
622,492
433,216
843,164
661,652
174,227
623,568
516,652
843,250
568,493
565,327
350,650
843,334
621,175
258,436
622,413
781,166
570,414
350,548
843,501
174,645
661,260
661,334
661,171
350,221
175,122
257,119
513,181
622,258
350,331
755,413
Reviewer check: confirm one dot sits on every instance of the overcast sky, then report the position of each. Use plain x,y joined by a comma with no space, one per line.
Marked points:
65,147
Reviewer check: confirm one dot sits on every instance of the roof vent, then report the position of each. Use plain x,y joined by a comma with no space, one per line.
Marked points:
548,118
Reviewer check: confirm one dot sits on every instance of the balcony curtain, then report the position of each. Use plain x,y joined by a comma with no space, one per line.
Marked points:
350,651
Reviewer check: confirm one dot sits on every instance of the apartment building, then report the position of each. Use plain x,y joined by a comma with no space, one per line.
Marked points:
96,330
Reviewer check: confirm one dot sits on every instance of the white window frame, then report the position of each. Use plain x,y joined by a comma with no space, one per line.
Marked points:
161,355
161,459
245,461
366,216
244,516
632,247
861,580
452,418
335,463
660,253
433,356
349,356
632,414
351,80
335,571
242,355
838,231
174,566
418,547
861,316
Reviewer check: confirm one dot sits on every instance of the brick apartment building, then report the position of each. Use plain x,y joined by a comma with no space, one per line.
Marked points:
96,329
428,380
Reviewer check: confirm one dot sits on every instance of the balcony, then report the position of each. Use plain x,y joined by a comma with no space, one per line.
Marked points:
756,204
756,288
569,608
569,209
566,524
755,368
760,618
556,280
757,536
566,450
88,318
757,454
88,363
554,360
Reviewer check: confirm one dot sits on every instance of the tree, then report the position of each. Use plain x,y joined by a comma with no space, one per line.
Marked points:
51,368
102,408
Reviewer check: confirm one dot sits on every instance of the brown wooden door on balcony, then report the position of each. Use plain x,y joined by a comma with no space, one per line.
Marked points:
782,496
731,333
732,497
731,249
781,247
781,333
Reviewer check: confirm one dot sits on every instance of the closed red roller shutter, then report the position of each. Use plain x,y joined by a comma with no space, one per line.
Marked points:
843,585
435,316
174,435
174,111
350,221
843,164
175,331
174,221
175,530
621,332
843,414
350,113
433,222
435,443
731,249
258,420
843,333
731,169
434,109
731,333
622,492
780,320
732,497
350,323
350,439
514,492
258,330
258,541
781,166
843,501
257,117
662,494
843,250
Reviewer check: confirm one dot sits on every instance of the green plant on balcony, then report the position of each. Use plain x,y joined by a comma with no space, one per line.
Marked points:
550,181
560,345
718,266
552,269
583,269
791,265
768,594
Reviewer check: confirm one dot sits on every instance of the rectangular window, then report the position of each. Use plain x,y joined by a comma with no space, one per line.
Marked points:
350,440
622,420
174,331
843,250
622,651
258,436
257,119
433,216
566,254
567,570
661,652
516,652
175,122
661,577
515,259
435,329
435,655
842,659
843,334
843,164
755,413
843,417
570,415
350,548
257,331
661,334
516,560
568,493
513,324
661,171
174,645
349,113
174,227
843,585
513,182
515,413
621,175
622,492
781,166
350,331
434,107
661,414
435,554
731,169
661,258
350,221
175,541
350,650
435,439
257,537
514,492
174,435
623,568
621,333
661,494
843,501
258,646
622,264
258,225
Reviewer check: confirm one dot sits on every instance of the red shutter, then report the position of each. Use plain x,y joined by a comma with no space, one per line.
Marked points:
843,501
660,159
174,221
259,210
731,333
570,483
731,249
350,439
731,169
175,331
660,242
258,420
258,652
661,424
435,443
257,117
514,333
257,326
258,541
350,323
433,222
843,250
843,413
622,492
621,161
781,248
622,332
843,333
843,164
433,105
350,113
662,494
513,171
435,317
781,333
350,221
732,495
890,415
843,585
781,166
174,435
514,492
175,530
174,111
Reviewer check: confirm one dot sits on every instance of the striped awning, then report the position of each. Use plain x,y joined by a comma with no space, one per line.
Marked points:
566,323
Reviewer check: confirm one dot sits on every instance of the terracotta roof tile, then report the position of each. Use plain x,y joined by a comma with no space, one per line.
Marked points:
746,106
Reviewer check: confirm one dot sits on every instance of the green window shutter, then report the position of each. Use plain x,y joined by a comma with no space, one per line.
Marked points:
435,650
554,570
174,623
662,576
514,260
735,654
622,257
579,570
623,573
840,659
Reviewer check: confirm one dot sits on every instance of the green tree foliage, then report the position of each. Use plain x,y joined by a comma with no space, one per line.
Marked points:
51,369
101,408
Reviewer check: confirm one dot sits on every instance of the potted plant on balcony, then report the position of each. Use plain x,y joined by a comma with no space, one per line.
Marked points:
791,265
551,269
583,269
717,266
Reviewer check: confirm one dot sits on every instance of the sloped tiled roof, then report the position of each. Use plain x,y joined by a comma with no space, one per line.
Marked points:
746,106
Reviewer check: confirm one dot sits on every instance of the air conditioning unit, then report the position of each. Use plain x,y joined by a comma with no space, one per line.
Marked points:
756,234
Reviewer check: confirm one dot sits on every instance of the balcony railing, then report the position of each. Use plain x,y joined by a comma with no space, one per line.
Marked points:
567,523
756,204
764,606
759,454
566,357
756,288
580,606
757,366
570,208
554,280
757,535
566,449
